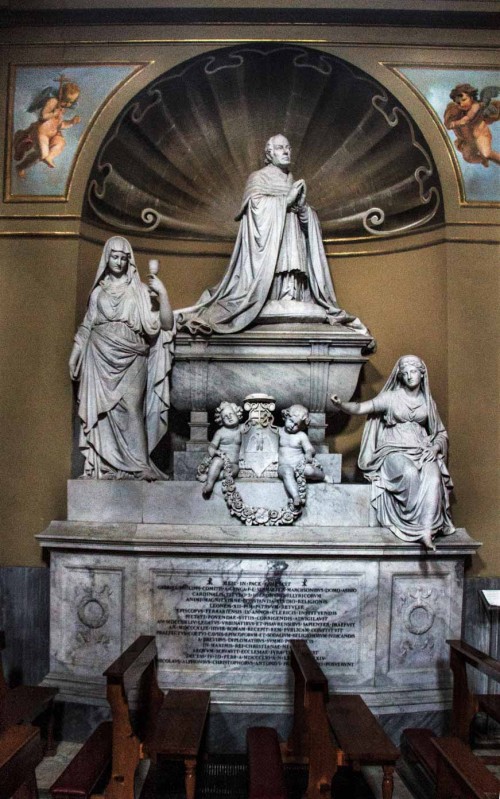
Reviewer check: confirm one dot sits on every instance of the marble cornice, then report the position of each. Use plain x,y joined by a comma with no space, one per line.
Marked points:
230,539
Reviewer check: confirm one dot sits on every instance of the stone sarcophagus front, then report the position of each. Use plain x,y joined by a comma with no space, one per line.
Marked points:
293,363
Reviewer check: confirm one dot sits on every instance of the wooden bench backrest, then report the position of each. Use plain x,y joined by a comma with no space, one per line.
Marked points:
309,697
311,738
464,700
307,669
128,668
461,774
20,753
132,677
463,652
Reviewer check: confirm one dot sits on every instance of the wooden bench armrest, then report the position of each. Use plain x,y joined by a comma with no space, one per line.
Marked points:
474,657
180,723
24,703
358,732
265,767
419,743
131,663
458,765
87,767
20,753
310,670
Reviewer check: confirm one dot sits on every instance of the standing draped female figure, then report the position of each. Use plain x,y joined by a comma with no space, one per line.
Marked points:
122,356
403,454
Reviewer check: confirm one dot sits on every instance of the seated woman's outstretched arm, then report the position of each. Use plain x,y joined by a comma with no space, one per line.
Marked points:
353,408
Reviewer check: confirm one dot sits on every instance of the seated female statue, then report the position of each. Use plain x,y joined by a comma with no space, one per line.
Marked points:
122,356
403,454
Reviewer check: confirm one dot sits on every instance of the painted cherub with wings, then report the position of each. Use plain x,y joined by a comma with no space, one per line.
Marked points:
469,118
43,140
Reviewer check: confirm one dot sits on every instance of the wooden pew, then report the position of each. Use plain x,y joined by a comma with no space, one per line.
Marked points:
418,748
451,759
460,774
266,778
311,740
20,753
167,725
88,768
466,703
451,765
26,703
362,740
331,731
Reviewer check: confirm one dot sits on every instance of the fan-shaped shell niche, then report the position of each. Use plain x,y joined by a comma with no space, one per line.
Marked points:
175,162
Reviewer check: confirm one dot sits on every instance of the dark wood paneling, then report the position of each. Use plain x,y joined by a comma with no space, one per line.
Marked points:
24,615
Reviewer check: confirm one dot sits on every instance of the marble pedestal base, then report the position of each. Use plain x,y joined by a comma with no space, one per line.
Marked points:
224,599
181,502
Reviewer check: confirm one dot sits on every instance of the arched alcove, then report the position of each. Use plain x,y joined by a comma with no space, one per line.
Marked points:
170,169
175,161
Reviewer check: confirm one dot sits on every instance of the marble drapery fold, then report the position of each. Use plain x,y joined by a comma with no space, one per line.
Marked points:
125,359
275,243
410,482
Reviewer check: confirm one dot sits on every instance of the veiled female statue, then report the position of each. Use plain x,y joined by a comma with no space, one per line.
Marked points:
122,357
403,454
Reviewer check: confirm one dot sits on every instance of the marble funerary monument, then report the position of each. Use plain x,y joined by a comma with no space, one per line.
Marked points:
255,539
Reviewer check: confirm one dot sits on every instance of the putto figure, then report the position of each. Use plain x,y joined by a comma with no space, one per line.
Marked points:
403,453
122,357
294,447
469,117
278,255
226,441
44,139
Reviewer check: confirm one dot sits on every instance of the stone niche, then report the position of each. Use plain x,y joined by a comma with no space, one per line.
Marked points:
223,599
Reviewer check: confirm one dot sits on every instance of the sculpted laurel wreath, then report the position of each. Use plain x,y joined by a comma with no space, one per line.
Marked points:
251,515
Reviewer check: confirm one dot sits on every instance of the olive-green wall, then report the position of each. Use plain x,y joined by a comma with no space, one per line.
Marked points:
473,407
434,294
37,295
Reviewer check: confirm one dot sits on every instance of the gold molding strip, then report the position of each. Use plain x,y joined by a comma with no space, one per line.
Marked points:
493,242
59,234
388,236
474,224
14,217
437,243
31,234
255,40
354,253
163,250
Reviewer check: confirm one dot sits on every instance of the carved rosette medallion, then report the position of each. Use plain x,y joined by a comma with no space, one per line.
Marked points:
418,619
92,610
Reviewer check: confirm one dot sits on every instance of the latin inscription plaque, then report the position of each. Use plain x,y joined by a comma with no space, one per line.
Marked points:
244,620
